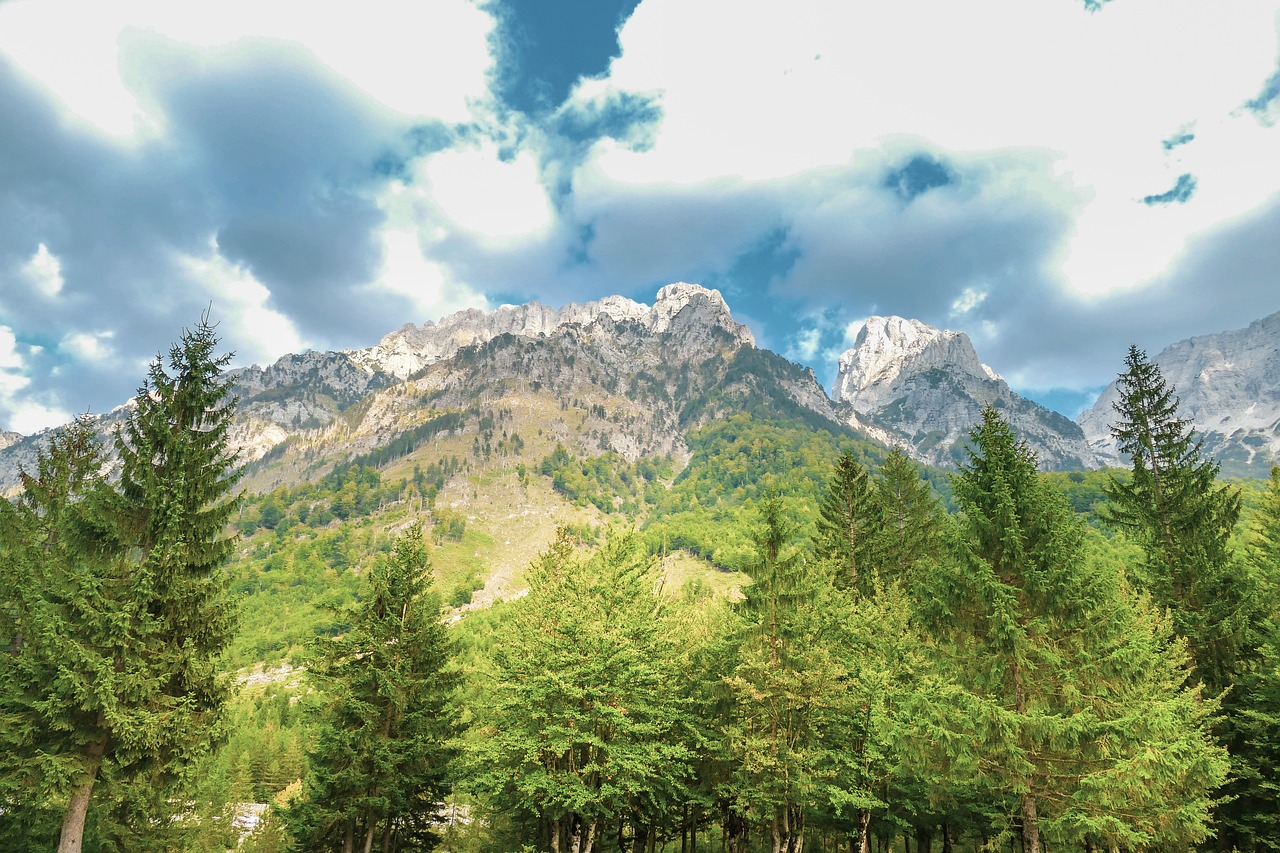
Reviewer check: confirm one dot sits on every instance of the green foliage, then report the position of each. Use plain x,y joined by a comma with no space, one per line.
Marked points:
1077,686
608,481
734,462
1172,505
117,676
379,761
580,726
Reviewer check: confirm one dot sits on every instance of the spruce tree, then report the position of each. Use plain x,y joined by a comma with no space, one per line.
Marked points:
47,593
132,629
850,526
1076,686
380,761
1174,508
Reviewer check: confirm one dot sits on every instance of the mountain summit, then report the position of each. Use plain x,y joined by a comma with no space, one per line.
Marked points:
924,388
411,347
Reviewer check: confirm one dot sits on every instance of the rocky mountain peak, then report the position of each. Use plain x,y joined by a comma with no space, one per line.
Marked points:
411,347
8,439
885,347
924,388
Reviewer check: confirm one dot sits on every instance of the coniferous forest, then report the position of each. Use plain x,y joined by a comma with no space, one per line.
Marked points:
797,641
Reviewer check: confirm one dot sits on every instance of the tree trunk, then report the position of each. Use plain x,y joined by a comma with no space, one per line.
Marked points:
349,837
72,839
924,839
368,835
1030,821
864,831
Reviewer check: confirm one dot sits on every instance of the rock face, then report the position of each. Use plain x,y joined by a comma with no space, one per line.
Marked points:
7,439
410,348
1228,385
923,389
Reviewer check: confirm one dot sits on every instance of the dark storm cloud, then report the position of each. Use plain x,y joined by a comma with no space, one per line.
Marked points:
861,249
1227,280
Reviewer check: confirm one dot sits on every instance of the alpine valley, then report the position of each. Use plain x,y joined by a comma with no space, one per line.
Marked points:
506,424
506,449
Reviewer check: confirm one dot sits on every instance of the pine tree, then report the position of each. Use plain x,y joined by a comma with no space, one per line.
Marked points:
912,520
787,690
379,767
46,590
1077,686
1248,816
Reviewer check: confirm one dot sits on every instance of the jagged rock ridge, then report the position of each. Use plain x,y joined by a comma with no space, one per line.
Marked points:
1228,385
410,348
923,389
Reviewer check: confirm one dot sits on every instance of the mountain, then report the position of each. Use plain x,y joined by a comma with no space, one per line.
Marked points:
1228,385
650,372
9,438
912,385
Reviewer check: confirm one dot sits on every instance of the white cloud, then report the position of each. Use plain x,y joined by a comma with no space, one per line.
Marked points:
420,59
805,346
17,412
241,302
44,272
969,299
88,346
503,203
753,92
428,286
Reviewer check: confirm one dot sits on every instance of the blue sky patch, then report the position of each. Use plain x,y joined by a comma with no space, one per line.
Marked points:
624,117
1181,191
551,43
1268,96
921,174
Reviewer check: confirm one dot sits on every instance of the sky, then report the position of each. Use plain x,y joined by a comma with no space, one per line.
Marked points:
1059,179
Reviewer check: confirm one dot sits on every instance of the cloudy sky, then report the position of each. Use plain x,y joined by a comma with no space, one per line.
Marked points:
1058,178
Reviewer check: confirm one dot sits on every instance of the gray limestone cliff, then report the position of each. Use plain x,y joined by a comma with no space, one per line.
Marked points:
1228,385
410,348
924,389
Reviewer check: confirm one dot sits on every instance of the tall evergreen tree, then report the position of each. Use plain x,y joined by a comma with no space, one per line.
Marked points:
133,628
1175,509
786,687
850,526
1184,520
1080,699
378,769
46,589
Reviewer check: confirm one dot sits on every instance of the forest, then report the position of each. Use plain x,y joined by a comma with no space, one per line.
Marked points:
796,642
